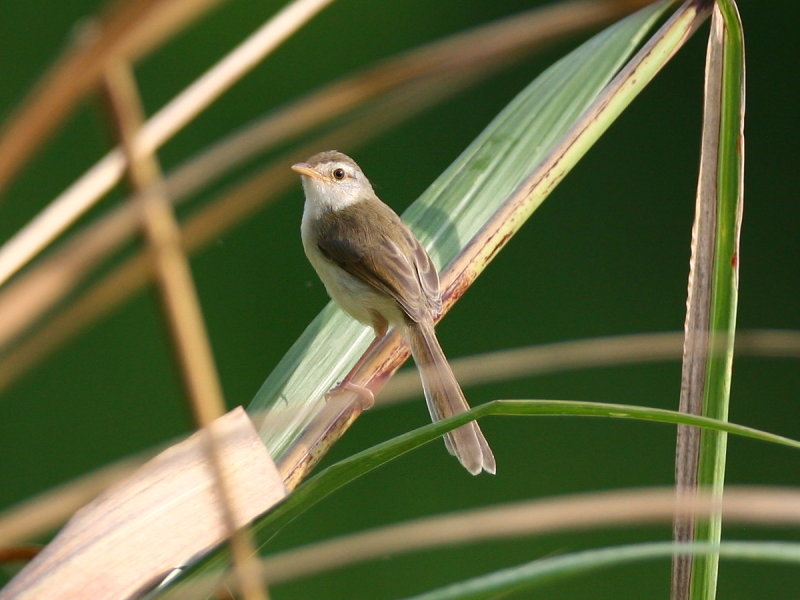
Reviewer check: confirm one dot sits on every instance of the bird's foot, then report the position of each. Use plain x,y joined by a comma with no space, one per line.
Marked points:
365,395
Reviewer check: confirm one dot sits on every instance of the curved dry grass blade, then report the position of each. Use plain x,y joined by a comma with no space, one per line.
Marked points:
713,292
166,513
349,469
179,296
484,198
457,61
128,30
180,306
38,290
696,326
501,582
612,351
544,570
42,513
763,506
618,508
228,209
62,212
471,54
26,299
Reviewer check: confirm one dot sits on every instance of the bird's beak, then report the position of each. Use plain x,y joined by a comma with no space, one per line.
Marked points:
306,169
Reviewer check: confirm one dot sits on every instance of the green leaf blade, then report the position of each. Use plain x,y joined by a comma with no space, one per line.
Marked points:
538,572
450,213
727,32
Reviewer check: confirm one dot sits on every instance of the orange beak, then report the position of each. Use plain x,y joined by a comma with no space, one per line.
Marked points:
306,169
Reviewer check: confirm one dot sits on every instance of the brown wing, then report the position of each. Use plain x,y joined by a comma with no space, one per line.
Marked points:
393,261
427,274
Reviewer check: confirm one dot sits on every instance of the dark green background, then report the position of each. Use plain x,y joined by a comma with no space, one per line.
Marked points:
606,254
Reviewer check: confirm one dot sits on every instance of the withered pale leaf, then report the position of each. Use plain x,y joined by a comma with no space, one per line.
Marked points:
166,513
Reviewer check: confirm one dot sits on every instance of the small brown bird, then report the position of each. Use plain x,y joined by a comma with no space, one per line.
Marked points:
375,269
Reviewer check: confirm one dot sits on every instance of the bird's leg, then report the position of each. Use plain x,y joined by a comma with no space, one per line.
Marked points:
365,395
380,325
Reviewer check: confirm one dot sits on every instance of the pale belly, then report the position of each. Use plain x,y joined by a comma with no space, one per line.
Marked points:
357,298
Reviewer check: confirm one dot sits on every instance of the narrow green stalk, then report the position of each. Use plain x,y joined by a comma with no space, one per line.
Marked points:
722,324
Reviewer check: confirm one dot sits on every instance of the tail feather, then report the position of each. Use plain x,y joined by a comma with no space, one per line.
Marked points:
445,398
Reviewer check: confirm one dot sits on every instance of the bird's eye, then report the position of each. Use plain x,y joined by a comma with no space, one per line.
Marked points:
338,174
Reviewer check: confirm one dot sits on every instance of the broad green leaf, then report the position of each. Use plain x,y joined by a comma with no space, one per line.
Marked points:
451,212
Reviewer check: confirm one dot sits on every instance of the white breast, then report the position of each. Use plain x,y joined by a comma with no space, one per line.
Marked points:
354,296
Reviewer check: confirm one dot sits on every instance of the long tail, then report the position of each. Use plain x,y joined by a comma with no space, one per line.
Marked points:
445,398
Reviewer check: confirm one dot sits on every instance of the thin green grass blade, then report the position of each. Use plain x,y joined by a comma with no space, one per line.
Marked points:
451,212
506,521
353,467
345,471
545,570
726,30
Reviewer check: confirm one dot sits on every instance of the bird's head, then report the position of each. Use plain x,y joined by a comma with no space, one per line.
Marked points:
333,180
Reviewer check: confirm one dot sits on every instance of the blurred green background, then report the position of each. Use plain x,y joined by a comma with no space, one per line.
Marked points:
606,254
